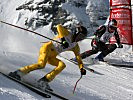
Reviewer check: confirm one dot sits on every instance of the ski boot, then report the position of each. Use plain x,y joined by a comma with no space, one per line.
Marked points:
43,84
100,57
16,74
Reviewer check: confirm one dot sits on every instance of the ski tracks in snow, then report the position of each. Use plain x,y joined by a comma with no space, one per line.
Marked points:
19,94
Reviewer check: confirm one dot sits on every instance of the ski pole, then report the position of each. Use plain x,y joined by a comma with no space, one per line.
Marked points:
76,84
30,31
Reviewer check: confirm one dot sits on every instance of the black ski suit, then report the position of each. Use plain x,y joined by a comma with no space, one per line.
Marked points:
99,43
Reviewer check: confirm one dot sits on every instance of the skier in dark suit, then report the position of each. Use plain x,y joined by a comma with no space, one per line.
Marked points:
101,39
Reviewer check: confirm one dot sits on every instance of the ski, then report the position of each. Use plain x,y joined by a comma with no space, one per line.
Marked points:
120,65
85,66
55,94
50,92
96,72
30,87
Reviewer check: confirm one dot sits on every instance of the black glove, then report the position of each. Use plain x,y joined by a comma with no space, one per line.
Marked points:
64,43
83,71
120,45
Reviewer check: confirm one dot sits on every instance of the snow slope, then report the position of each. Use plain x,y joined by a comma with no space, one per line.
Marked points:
19,48
114,84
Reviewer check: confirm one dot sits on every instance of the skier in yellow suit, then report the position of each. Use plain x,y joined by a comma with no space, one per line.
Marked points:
49,51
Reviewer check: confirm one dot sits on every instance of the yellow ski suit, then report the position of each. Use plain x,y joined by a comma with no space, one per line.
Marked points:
50,50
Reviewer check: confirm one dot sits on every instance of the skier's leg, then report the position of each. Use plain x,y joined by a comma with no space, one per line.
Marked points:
43,56
95,48
88,53
59,67
45,51
100,57
108,49
43,82
104,49
111,47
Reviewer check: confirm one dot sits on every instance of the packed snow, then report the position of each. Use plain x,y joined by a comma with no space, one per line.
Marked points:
19,48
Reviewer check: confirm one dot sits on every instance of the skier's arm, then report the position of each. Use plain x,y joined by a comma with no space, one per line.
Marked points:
118,39
76,51
62,31
100,31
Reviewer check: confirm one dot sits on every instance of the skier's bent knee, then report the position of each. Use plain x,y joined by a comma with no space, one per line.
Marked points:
41,65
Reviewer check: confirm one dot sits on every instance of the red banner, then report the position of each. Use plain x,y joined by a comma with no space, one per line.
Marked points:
120,2
124,18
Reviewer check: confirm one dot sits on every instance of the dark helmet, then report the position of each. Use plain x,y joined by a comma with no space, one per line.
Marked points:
112,23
